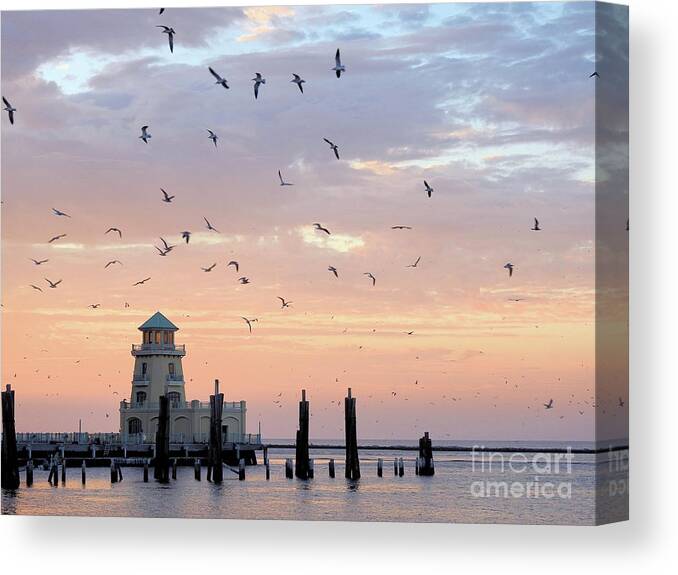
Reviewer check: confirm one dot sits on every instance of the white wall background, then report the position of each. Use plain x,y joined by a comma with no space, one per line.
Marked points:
646,543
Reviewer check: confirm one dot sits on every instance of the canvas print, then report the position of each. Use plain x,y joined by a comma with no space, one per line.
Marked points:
360,263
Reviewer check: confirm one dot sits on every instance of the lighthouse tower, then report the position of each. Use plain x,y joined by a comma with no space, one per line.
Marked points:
157,363
158,371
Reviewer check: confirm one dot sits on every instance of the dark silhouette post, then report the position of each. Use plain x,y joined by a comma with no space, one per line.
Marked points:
426,456
216,450
352,462
162,462
302,468
10,458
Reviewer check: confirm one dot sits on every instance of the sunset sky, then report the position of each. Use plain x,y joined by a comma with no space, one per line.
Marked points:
491,104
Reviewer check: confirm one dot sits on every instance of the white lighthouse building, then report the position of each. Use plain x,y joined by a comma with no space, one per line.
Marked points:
158,370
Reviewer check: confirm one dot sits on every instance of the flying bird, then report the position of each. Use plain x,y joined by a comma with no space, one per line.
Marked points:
170,36
186,236
235,264
333,270
112,262
284,303
334,147
415,264
429,189
549,405
249,322
338,66
114,230
38,262
298,80
536,227
595,74
320,228
94,305
244,280
145,134
166,197
509,267
36,287
213,137
141,282
621,402
258,81
283,182
209,269
161,252
221,81
60,213
209,226
52,284
369,275
55,238
9,109
161,11
401,227
168,247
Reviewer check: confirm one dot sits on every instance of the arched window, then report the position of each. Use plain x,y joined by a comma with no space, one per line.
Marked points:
134,426
174,398
144,368
171,369
141,396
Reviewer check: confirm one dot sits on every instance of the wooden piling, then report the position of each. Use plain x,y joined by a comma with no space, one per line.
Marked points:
268,471
63,471
311,469
426,466
119,469
161,463
401,467
380,467
289,468
145,471
241,470
83,472
395,467
216,450
416,465
352,462
9,466
265,454
29,473
174,468
301,468
196,469
55,476
331,468
114,472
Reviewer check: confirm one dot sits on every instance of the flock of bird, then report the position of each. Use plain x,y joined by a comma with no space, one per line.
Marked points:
166,248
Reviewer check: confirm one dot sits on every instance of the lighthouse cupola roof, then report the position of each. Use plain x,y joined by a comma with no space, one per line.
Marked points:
158,322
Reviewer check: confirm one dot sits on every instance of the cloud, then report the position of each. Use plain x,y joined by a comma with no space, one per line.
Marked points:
342,243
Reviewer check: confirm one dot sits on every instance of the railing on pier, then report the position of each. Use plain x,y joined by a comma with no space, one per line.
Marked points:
84,438
228,405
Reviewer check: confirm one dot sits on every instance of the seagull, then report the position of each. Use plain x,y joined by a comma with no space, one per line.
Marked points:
258,81
283,182
114,230
235,264
333,270
509,267
249,322
549,405
298,80
621,402
112,262
429,189
221,81
166,197
170,36
369,275
319,228
186,236
94,305
168,247
9,109
145,134
284,303
334,147
536,227
36,287
141,282
161,11
209,226
38,262
213,137
52,284
415,264
244,280
401,227
161,252
595,74
60,213
338,66
55,238
209,269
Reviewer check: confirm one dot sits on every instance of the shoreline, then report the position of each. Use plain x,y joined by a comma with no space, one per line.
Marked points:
479,448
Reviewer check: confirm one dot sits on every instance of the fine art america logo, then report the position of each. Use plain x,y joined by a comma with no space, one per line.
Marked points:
534,475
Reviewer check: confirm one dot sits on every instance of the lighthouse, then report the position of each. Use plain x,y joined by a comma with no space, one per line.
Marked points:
158,370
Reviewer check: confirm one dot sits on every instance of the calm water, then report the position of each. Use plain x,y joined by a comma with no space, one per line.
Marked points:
464,489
